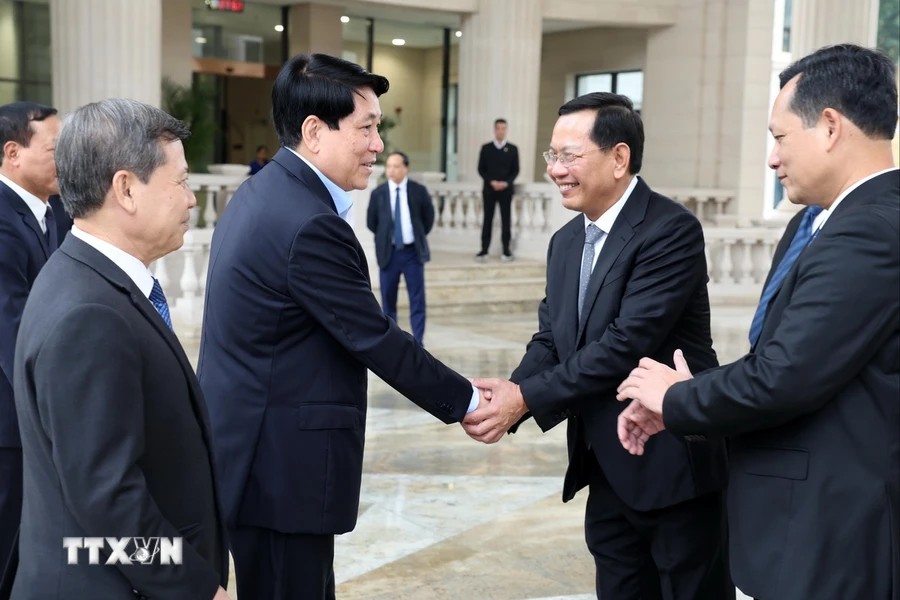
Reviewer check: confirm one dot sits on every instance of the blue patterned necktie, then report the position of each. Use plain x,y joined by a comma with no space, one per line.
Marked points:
398,226
801,239
591,236
51,233
158,299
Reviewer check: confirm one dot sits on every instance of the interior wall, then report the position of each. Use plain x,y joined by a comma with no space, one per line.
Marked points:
413,100
249,119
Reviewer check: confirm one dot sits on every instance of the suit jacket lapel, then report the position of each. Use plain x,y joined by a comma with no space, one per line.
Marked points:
572,248
622,231
88,255
28,218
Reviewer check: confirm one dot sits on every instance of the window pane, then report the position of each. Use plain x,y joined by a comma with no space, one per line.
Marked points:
631,84
595,82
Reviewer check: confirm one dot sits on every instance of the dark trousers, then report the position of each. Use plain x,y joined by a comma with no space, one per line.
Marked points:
10,502
504,199
406,262
672,553
269,565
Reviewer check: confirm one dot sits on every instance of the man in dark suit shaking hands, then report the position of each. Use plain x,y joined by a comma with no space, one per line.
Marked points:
626,277
498,166
114,429
401,215
291,326
28,235
813,411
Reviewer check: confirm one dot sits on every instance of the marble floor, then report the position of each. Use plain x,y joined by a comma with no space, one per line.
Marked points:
443,517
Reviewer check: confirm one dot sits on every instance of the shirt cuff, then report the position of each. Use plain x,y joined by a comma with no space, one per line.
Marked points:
473,403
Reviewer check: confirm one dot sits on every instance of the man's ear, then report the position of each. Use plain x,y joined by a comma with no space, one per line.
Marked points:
832,123
122,190
11,151
622,157
311,132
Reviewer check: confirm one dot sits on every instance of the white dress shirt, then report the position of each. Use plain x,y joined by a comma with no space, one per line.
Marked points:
132,266
605,221
405,219
35,204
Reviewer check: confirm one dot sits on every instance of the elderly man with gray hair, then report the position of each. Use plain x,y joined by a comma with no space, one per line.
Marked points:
119,485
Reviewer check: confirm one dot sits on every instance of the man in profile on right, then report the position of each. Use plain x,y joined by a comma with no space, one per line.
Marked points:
813,411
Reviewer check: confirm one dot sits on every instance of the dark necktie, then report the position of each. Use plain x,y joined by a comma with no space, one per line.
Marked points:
398,225
51,234
158,299
591,235
801,239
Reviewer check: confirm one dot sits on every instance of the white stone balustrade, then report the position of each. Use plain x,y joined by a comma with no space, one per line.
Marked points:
182,274
738,258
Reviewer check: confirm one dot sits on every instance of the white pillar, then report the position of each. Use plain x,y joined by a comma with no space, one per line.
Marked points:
105,49
818,23
499,73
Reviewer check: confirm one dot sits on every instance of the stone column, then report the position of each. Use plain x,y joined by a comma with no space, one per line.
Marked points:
499,76
177,53
818,23
104,49
315,28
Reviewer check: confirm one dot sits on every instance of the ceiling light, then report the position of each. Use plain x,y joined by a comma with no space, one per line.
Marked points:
458,33
398,41
345,19
279,28
200,40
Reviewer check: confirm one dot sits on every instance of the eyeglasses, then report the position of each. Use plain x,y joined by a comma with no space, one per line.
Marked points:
563,158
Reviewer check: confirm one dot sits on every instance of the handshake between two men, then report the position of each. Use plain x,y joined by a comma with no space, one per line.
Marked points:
502,405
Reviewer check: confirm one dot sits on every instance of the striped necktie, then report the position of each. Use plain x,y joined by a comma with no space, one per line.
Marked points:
158,299
801,239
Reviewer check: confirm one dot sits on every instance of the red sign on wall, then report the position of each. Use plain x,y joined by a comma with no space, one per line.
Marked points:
226,5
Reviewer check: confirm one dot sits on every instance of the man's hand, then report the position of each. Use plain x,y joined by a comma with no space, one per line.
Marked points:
636,425
492,419
646,386
650,381
499,186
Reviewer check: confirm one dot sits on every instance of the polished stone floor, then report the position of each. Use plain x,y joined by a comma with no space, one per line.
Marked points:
443,517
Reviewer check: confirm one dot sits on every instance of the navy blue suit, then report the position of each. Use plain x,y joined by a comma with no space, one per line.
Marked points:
409,260
290,328
23,252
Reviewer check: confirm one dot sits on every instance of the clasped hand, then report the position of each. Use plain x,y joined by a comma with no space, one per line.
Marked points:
646,388
501,406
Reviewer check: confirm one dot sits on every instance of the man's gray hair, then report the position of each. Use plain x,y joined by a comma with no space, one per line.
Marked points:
103,137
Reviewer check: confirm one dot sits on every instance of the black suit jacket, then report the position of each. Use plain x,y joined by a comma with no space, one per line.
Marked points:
380,220
23,252
647,297
814,411
498,165
115,438
290,328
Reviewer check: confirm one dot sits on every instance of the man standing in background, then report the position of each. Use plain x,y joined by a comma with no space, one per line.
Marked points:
28,235
401,215
498,166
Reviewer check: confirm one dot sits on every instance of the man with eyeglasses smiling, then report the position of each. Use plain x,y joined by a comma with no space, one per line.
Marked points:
625,279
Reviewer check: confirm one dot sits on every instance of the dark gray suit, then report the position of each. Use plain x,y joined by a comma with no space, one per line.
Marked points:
23,253
814,415
114,435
